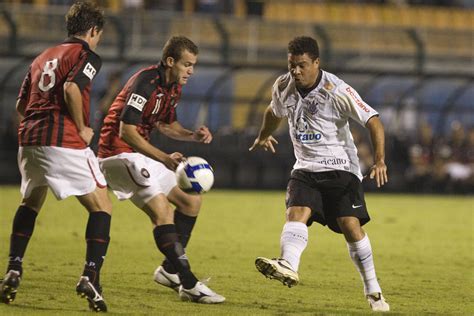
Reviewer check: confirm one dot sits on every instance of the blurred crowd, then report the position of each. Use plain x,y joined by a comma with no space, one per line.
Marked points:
253,7
423,162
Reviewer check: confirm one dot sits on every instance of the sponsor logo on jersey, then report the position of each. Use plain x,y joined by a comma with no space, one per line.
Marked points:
137,101
356,99
333,161
89,71
304,134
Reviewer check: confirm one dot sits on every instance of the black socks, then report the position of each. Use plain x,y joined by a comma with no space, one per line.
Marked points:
97,238
22,229
168,242
184,226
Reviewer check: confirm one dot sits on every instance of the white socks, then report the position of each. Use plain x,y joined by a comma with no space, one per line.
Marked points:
361,254
293,241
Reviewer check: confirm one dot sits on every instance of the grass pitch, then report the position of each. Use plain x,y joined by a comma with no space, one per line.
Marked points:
423,249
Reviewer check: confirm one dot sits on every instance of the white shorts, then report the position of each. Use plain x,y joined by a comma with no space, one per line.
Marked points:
136,177
65,171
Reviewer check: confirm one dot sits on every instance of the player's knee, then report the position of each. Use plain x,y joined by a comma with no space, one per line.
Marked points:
190,204
162,216
350,227
103,201
36,199
298,214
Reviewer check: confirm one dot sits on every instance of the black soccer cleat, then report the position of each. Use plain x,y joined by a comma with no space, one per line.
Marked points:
9,286
86,289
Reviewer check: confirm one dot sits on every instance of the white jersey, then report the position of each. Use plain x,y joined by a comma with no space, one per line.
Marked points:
318,123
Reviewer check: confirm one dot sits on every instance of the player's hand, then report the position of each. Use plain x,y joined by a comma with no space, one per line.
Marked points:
379,172
203,135
86,134
266,143
172,161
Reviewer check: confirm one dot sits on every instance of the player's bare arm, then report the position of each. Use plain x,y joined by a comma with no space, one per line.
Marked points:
377,134
130,135
73,98
269,125
176,131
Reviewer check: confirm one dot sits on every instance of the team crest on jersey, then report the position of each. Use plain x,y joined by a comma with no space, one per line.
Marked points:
304,134
313,108
89,71
137,101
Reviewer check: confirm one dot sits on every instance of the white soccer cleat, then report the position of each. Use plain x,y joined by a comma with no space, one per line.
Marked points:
278,269
377,302
164,278
200,293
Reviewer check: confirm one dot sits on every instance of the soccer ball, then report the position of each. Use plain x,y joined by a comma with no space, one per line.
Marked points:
195,175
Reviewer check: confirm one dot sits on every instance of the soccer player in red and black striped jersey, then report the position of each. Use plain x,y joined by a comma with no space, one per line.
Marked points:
137,170
54,135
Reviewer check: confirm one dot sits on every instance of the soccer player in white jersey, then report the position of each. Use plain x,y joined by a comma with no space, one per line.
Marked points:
325,183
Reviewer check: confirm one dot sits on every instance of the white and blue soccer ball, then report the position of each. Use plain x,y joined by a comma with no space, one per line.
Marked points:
195,175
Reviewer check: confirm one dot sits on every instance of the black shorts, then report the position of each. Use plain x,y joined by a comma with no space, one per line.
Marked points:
329,195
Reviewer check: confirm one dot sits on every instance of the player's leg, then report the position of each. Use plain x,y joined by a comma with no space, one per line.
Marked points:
22,230
360,251
293,241
185,215
301,200
167,241
97,236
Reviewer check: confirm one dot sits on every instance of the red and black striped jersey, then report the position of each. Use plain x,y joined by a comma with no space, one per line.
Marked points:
47,120
144,101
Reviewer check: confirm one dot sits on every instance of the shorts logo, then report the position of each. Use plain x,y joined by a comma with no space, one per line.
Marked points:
137,101
145,173
303,134
89,71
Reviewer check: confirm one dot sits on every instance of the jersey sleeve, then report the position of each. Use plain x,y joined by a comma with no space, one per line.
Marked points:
277,106
86,69
351,104
137,97
25,87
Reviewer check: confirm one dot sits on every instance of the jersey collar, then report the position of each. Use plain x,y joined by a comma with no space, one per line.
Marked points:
73,40
304,92
162,77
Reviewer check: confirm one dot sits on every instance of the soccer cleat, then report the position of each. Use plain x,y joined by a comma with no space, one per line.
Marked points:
9,286
200,293
164,278
278,269
87,290
377,302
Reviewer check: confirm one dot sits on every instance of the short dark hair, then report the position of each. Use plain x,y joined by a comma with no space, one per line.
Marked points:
304,44
175,46
82,16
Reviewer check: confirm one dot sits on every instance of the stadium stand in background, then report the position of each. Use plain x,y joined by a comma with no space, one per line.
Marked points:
411,60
